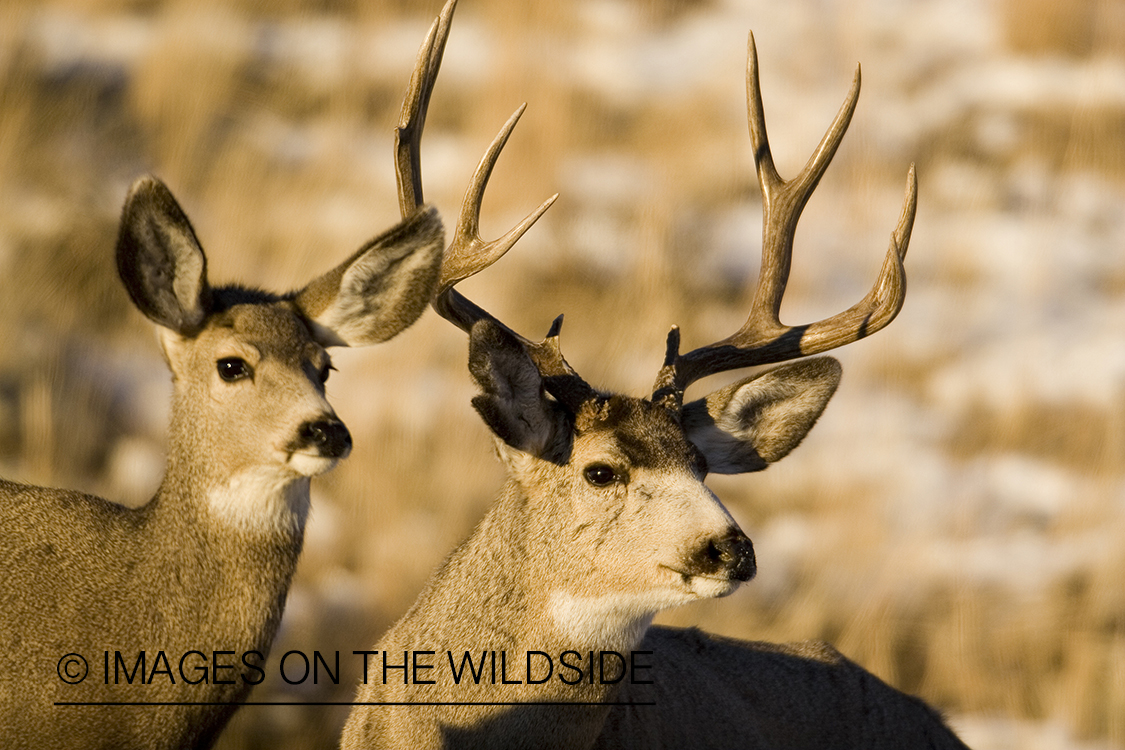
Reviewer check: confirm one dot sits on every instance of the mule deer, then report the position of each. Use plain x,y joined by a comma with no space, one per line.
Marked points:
604,520
176,603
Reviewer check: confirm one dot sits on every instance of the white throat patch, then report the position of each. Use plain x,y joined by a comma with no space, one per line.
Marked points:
262,500
606,620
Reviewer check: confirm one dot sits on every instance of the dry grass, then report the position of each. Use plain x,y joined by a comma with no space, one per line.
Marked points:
1076,29
284,165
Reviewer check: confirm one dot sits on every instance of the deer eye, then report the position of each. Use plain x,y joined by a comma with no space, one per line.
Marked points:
600,475
325,372
233,369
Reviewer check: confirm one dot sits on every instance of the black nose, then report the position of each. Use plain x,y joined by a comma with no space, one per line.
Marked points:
329,436
733,553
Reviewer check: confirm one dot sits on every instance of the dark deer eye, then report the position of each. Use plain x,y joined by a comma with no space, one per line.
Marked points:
232,369
325,372
600,475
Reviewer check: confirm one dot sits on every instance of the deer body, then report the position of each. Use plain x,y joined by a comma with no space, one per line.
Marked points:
196,579
714,692
222,590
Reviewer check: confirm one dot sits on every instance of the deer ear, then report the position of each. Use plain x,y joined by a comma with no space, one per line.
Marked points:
756,421
512,401
382,289
160,261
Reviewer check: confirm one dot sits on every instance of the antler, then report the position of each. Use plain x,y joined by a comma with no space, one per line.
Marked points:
468,253
763,339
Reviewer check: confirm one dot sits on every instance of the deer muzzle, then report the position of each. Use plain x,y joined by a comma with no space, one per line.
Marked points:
731,555
329,438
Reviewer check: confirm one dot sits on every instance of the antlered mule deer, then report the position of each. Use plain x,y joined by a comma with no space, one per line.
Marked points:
536,631
177,602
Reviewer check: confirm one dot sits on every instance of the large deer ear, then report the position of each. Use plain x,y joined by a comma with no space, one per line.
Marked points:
512,401
382,289
756,421
160,261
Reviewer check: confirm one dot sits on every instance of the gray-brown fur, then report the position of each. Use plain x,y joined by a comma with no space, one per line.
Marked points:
206,564
560,564
87,576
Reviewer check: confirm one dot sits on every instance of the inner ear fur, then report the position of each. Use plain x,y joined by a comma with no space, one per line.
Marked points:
758,420
512,401
382,289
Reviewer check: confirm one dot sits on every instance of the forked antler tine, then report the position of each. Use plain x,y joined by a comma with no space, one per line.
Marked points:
763,339
872,313
468,253
784,200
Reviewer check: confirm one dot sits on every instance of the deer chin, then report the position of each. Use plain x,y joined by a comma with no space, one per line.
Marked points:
702,586
607,620
713,588
308,464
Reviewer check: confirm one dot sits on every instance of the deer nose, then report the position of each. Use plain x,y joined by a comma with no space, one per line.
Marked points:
329,436
734,553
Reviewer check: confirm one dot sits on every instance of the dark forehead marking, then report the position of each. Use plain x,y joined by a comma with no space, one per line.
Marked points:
225,297
648,434
259,313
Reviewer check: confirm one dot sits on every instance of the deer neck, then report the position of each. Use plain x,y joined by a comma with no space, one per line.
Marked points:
508,587
227,586
267,503
237,533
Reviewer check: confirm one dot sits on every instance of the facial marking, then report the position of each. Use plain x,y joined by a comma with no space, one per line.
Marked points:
309,465
644,435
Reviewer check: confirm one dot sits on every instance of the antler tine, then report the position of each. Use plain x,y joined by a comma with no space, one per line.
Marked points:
408,134
469,253
763,339
784,200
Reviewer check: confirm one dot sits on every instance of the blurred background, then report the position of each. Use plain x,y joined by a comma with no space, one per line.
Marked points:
955,522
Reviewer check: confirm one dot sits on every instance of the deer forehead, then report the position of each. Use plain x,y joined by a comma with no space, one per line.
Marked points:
263,332
634,432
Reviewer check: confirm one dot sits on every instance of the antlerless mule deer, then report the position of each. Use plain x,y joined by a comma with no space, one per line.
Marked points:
535,632
177,602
